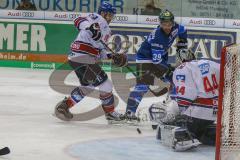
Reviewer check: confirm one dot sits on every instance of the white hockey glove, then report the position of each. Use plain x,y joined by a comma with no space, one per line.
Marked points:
177,138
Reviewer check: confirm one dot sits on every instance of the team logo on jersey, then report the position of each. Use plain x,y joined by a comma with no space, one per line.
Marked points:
204,68
180,78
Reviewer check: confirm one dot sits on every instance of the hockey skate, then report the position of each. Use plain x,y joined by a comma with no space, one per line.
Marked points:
131,118
115,118
62,111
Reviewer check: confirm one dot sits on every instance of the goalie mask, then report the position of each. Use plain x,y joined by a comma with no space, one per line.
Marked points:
184,55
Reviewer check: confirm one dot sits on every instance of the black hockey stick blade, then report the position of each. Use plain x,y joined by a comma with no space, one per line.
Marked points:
4,151
159,93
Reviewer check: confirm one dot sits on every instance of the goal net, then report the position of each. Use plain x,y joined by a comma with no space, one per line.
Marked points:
228,123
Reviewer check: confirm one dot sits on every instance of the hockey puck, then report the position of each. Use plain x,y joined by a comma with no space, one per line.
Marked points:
4,151
139,131
154,126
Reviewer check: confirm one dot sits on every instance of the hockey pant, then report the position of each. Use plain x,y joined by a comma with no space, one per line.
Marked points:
91,76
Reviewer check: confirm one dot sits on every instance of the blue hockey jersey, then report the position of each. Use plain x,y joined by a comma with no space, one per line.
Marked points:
155,48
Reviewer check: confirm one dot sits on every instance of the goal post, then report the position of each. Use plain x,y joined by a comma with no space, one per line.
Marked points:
228,120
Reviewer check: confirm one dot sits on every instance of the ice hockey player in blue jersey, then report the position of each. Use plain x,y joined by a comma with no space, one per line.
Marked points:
152,58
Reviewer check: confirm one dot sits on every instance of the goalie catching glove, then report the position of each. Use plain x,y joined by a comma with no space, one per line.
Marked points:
120,60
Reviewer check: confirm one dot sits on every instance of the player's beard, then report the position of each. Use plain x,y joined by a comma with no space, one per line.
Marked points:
167,30
167,27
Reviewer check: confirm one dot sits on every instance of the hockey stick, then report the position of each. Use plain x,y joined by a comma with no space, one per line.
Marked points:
4,151
157,94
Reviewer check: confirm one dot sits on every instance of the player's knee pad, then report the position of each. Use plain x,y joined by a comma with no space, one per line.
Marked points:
106,87
107,100
177,138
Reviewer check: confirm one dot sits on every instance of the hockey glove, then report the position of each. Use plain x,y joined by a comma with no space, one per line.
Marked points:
167,76
120,60
95,31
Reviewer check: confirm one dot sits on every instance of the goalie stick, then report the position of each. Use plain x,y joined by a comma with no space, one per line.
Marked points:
157,93
4,151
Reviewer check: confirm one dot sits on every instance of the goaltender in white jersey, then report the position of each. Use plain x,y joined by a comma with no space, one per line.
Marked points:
196,84
193,109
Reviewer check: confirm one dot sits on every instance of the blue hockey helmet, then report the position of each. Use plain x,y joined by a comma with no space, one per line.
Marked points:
106,7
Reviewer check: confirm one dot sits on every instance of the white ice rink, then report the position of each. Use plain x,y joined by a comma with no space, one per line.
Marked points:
32,133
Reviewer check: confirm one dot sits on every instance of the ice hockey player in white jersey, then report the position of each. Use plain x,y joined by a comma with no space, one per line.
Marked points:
86,50
194,108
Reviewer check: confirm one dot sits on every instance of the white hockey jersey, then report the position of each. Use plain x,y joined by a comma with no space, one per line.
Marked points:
84,49
196,85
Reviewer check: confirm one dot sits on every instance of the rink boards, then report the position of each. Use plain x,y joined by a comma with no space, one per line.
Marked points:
45,44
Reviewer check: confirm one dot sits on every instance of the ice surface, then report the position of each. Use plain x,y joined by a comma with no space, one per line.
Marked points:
32,133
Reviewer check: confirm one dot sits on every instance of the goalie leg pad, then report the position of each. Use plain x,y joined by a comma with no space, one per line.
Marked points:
177,138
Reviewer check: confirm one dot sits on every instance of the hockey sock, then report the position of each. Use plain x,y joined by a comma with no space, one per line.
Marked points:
107,102
135,97
76,96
